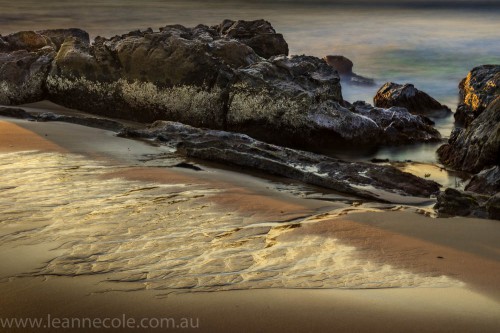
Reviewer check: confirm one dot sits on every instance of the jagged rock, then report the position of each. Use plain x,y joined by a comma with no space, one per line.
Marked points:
397,125
409,97
477,91
259,35
485,182
25,59
344,67
359,179
452,202
476,147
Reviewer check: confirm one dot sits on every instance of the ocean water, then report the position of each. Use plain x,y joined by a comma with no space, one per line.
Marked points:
432,45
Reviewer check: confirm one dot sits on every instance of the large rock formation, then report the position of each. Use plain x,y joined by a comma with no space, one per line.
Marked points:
407,96
477,91
476,147
365,180
344,66
216,77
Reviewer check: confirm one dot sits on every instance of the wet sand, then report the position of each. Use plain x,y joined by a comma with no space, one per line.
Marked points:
390,254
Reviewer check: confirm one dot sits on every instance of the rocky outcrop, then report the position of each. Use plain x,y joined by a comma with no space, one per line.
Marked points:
374,182
200,77
476,147
215,77
407,96
344,67
486,182
459,203
477,91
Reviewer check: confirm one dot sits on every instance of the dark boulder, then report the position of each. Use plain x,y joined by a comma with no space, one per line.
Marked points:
453,202
340,63
259,35
476,147
407,96
477,91
365,180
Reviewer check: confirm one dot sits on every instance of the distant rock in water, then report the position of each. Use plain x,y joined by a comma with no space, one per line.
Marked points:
477,91
344,67
409,97
365,180
218,77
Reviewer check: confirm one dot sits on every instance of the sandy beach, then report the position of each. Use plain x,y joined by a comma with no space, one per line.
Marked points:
104,226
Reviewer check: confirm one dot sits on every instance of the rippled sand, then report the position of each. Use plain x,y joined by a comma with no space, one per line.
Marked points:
170,234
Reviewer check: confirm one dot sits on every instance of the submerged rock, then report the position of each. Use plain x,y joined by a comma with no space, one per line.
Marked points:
476,147
407,96
375,182
477,91
452,202
344,67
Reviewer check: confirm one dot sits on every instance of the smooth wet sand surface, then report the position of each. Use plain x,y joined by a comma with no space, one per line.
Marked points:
104,218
